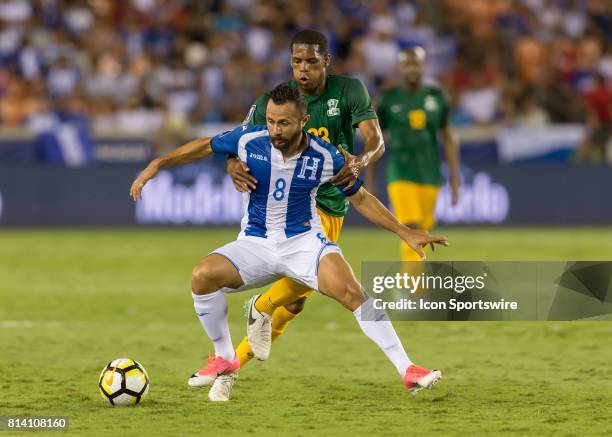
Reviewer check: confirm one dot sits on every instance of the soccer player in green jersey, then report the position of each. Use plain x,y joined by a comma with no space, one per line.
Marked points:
415,115
336,106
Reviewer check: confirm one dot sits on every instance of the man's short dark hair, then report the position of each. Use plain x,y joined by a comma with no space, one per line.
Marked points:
284,93
310,37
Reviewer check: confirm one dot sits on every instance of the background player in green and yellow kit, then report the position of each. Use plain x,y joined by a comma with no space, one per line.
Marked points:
414,114
336,105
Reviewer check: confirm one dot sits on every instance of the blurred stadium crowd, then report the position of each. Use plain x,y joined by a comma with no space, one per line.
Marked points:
162,65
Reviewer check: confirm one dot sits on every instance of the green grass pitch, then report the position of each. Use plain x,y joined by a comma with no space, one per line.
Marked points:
70,301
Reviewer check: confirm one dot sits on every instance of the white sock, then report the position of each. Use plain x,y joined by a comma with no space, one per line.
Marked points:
211,309
376,325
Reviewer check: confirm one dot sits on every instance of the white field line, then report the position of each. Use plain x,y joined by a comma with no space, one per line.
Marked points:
21,324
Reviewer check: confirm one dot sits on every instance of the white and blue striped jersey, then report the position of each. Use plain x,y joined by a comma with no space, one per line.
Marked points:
283,204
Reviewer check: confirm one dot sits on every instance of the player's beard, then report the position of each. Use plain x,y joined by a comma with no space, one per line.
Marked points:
285,143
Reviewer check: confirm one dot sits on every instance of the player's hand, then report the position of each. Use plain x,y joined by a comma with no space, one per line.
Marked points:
418,239
147,174
350,171
239,172
455,193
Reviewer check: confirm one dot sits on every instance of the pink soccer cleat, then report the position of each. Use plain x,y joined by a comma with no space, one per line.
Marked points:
418,378
216,366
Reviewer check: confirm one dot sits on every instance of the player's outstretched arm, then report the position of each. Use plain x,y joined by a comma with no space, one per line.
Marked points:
189,152
451,151
372,209
374,148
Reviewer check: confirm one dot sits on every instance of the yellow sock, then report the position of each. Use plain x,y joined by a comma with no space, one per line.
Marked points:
265,304
243,352
282,292
280,319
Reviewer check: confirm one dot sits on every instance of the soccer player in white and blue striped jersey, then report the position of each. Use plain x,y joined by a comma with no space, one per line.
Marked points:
281,236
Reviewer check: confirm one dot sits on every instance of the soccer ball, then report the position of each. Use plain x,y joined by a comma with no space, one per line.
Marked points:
124,382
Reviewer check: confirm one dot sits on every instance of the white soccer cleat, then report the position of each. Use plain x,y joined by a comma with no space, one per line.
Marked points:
259,331
222,387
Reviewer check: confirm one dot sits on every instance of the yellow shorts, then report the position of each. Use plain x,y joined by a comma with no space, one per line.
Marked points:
414,204
332,225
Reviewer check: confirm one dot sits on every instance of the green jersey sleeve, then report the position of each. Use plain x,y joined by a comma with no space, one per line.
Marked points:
359,102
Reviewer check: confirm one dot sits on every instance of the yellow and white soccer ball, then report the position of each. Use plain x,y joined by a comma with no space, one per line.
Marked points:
124,382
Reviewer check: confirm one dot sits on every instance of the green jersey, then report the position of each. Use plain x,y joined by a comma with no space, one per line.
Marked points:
345,102
413,119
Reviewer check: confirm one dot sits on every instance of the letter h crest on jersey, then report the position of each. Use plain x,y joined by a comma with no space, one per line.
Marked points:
306,166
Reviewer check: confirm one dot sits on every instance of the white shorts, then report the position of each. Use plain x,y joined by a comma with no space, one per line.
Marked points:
261,261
